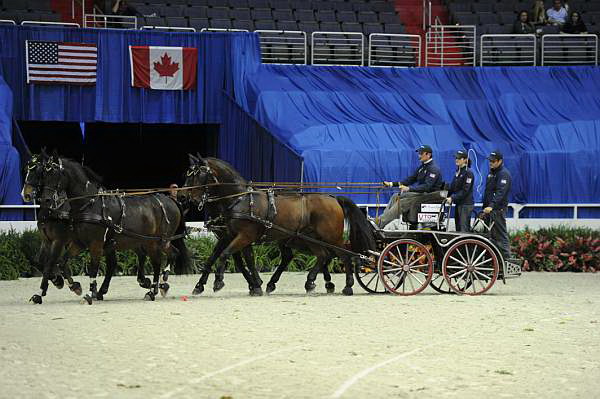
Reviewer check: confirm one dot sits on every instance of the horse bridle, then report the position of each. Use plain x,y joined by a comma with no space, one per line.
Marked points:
208,174
59,195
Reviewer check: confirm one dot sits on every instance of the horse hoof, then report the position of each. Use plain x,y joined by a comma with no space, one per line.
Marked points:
100,296
149,296
256,291
164,288
36,299
145,283
347,291
86,299
330,287
270,288
58,281
218,285
309,286
198,289
165,275
76,288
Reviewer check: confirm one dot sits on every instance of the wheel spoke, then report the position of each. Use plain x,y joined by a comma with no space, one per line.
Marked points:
400,282
411,283
479,257
391,263
374,275
455,267
463,271
456,260
472,282
482,275
400,255
483,262
392,270
415,277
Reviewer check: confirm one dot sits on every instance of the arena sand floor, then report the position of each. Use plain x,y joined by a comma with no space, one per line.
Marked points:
538,336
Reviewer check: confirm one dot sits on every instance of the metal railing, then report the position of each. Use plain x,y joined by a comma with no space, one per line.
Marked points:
7,21
566,49
73,24
109,21
502,49
394,50
168,28
426,14
283,47
222,30
450,45
337,48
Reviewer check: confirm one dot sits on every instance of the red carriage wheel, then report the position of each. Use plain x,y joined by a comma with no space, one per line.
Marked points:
470,267
405,267
439,284
368,278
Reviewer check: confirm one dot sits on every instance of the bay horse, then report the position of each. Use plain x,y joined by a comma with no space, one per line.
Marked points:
151,225
250,215
55,234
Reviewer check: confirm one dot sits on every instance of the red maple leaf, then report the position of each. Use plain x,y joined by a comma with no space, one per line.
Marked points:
165,67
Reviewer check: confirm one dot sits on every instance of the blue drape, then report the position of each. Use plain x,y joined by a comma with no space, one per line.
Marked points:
363,124
10,177
220,56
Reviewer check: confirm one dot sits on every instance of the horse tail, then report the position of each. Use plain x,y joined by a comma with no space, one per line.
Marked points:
362,237
183,260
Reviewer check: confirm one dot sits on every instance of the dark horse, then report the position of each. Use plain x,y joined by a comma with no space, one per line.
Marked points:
250,215
55,234
151,225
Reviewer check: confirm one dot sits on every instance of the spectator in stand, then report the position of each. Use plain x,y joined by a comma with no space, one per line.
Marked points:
539,13
557,15
522,25
120,7
574,25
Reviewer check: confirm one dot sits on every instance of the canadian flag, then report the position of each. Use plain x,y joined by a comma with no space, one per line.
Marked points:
163,68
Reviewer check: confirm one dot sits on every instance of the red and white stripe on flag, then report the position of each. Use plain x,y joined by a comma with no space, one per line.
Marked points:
163,68
61,62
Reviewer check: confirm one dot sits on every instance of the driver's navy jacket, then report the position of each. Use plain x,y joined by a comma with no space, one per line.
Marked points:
497,188
426,179
461,188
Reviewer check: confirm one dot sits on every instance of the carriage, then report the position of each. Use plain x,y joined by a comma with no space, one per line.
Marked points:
428,254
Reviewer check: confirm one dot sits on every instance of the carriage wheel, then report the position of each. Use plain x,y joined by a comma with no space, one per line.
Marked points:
368,278
405,267
470,267
439,284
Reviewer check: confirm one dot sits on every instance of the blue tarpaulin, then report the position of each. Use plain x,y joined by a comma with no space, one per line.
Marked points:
354,124
10,177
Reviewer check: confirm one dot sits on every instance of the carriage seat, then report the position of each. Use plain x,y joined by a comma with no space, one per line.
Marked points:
426,210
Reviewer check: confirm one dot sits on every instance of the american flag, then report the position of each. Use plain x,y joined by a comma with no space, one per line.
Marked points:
61,63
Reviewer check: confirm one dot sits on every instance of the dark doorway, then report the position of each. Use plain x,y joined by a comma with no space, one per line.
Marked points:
65,137
145,156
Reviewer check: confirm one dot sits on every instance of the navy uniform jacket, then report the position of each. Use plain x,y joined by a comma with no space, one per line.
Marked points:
497,188
426,179
461,188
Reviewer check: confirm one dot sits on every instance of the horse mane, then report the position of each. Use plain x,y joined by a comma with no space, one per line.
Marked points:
85,171
231,175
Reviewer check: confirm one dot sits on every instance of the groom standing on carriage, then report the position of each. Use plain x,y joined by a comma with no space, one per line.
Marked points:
426,179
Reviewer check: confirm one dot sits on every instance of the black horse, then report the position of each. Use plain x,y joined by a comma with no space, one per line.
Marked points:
151,225
251,215
55,234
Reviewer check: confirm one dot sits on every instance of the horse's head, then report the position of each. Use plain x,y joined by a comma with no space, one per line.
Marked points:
53,195
198,176
34,176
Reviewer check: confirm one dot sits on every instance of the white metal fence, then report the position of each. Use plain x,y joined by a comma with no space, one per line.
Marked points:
168,28
109,21
337,48
67,24
450,45
502,49
283,47
394,50
563,49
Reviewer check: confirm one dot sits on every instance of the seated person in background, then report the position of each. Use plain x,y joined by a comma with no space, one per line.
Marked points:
522,25
538,13
574,25
557,15
426,179
120,7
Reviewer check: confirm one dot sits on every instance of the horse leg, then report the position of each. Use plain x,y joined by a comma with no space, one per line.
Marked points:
322,260
45,258
156,260
329,286
220,273
349,268
74,286
256,289
111,265
164,276
219,247
286,257
95,254
142,280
